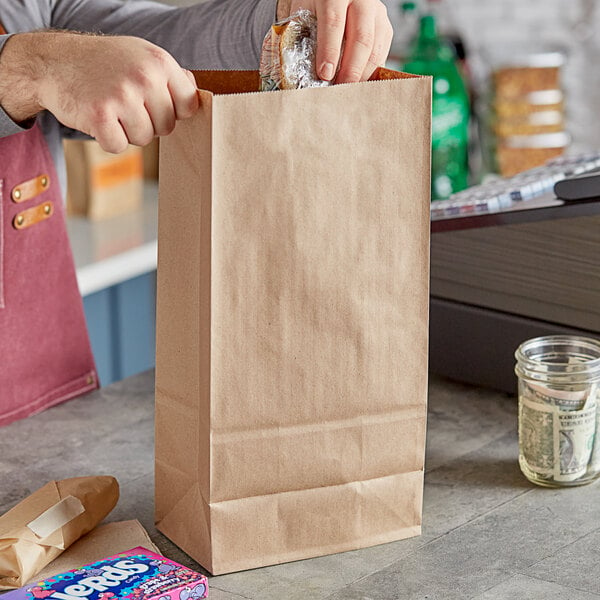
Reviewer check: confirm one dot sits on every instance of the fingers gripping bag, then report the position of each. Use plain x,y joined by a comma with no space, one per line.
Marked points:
288,55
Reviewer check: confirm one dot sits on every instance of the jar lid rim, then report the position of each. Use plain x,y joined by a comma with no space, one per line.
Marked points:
537,366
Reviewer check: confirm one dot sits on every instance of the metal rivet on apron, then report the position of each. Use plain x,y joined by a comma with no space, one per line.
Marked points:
90,379
26,190
33,215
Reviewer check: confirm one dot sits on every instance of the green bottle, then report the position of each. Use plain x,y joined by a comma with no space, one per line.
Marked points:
429,55
404,32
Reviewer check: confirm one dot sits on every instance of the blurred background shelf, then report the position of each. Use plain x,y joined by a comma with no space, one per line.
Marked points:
115,261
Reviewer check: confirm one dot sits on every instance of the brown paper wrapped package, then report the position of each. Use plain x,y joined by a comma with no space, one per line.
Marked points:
292,319
40,527
105,540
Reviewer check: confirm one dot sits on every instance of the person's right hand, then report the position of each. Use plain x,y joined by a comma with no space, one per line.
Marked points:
361,27
119,90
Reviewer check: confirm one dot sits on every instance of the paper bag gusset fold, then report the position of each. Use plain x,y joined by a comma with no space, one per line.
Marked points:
44,524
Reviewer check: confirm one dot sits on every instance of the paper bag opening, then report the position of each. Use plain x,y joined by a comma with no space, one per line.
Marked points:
241,82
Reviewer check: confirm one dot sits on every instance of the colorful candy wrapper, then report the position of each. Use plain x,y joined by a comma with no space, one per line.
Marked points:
136,574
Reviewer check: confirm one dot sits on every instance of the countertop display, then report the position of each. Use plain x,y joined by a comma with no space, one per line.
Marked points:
487,532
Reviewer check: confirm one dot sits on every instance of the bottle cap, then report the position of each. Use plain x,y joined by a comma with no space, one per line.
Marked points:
428,29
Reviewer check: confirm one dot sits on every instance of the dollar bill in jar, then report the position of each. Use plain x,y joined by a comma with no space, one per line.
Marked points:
559,410
557,431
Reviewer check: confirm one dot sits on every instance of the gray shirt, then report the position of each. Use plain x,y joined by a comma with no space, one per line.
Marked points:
218,34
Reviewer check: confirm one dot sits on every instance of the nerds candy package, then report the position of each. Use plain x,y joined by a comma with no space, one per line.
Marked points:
136,574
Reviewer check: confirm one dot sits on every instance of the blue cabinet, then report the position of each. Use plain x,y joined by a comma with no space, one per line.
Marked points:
122,328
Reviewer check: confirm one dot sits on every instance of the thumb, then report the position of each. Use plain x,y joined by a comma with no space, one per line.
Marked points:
190,76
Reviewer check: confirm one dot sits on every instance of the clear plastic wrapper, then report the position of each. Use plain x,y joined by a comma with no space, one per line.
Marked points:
288,55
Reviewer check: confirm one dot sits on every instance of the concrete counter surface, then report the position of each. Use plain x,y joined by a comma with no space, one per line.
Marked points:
488,533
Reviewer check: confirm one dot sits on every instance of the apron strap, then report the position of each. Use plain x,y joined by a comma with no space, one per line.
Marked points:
2,30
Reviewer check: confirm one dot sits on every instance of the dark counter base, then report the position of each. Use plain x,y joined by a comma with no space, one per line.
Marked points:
477,345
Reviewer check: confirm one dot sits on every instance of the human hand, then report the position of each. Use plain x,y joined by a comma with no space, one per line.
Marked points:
362,25
119,90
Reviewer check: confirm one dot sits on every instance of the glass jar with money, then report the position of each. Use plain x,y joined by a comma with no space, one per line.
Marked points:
559,410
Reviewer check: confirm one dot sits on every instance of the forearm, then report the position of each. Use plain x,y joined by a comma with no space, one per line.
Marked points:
118,89
237,27
21,68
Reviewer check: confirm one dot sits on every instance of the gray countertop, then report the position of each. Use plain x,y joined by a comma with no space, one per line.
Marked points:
487,532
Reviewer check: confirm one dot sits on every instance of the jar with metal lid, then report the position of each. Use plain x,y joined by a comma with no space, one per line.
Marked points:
559,410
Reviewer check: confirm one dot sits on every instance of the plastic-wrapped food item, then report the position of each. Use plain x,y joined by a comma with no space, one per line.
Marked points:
522,69
535,123
521,152
532,102
523,110
289,52
515,82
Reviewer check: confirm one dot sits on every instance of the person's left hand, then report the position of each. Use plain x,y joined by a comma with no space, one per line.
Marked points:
363,27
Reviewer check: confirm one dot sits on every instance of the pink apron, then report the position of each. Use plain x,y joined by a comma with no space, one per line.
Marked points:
45,355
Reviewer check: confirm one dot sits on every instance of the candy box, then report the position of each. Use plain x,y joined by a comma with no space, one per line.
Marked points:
136,574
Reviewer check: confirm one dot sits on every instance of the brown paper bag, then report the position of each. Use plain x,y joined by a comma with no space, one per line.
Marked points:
292,320
41,526
105,540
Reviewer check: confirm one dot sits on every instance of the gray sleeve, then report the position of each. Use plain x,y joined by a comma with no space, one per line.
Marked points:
217,34
7,125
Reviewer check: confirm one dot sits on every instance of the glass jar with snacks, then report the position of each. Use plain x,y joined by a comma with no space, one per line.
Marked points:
523,112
